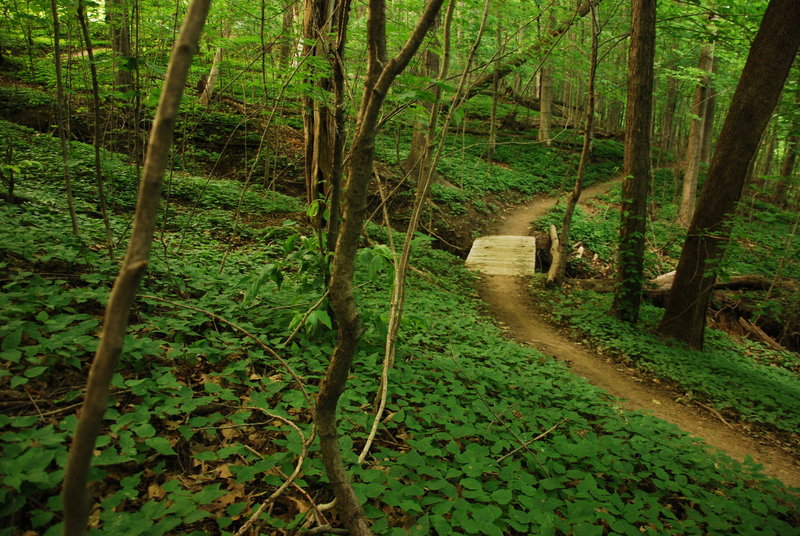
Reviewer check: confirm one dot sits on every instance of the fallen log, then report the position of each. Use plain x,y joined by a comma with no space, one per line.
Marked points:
661,285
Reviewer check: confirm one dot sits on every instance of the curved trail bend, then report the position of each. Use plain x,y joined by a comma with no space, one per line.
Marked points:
508,299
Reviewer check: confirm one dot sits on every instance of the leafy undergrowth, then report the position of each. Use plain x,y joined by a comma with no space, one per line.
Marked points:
521,167
481,436
747,379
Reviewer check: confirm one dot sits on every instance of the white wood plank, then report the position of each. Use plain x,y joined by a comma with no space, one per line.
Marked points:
503,255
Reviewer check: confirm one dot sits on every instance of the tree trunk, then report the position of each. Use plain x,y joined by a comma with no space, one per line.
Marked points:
397,303
120,36
96,130
636,162
532,51
555,275
287,39
323,125
61,118
492,142
213,74
782,186
75,493
691,161
381,72
709,112
768,64
546,91
792,147
668,118
418,163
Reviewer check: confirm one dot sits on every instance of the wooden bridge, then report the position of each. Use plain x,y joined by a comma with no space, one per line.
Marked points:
503,255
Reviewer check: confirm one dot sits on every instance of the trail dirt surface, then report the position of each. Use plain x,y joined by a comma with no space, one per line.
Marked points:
509,300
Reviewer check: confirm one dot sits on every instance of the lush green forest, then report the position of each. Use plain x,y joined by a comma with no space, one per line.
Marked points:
234,298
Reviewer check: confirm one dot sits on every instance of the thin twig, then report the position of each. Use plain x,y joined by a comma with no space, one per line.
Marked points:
388,359
73,406
537,438
239,328
716,413
523,444
298,466
35,405
327,529
320,516
305,317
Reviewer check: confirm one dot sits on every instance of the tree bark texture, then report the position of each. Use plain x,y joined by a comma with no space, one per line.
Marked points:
96,130
709,112
379,77
768,64
546,91
555,275
694,146
75,493
213,74
61,118
790,157
635,186
325,30
120,35
787,168
667,134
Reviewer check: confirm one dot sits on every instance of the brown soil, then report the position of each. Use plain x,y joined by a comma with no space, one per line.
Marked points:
509,300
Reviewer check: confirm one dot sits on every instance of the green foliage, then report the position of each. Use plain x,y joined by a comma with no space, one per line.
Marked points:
462,400
598,230
22,99
724,373
521,168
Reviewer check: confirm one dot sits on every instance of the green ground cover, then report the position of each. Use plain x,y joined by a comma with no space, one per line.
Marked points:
189,445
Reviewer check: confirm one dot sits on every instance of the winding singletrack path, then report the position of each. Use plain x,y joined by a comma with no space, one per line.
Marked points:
508,299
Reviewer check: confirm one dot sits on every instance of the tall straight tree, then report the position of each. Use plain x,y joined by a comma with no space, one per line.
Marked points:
628,295
120,36
694,146
768,63
546,90
790,156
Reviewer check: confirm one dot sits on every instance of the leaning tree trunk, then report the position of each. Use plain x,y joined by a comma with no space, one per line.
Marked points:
75,495
768,64
532,51
630,276
381,72
694,146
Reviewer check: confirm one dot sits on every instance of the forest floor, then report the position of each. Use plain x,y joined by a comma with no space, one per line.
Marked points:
509,299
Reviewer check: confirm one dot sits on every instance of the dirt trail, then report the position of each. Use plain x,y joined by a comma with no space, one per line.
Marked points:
508,299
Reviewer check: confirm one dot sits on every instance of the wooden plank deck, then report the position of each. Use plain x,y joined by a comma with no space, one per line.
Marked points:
503,255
